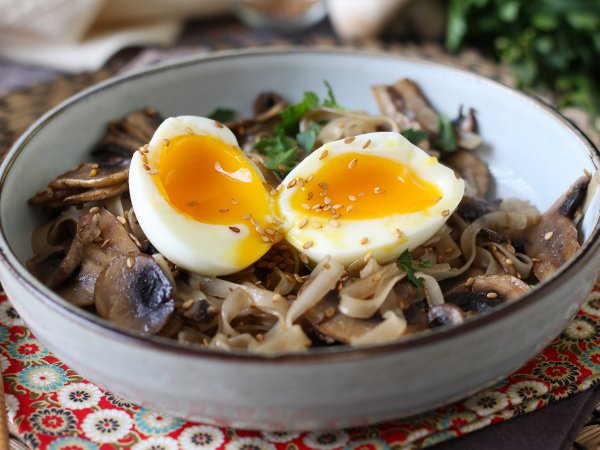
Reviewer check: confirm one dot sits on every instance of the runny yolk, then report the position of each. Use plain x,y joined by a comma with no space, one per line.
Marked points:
210,181
360,186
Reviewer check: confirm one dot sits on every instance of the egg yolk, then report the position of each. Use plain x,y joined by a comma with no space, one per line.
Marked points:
359,186
210,181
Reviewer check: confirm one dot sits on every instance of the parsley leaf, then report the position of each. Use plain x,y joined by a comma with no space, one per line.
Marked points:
306,139
425,262
446,139
281,152
405,262
291,115
414,136
222,114
330,101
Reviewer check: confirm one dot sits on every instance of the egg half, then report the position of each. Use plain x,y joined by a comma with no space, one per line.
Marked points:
374,193
205,205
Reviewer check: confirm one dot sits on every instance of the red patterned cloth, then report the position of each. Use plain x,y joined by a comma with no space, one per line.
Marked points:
52,407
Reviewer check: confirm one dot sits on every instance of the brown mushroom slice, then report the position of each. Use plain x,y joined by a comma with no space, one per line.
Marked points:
483,292
91,175
392,105
96,195
124,137
96,255
446,314
333,326
472,208
552,241
472,169
466,128
265,102
50,198
133,292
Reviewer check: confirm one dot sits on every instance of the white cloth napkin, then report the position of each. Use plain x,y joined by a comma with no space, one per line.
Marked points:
75,35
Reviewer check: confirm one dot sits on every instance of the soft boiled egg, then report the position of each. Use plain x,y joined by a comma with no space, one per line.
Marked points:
199,199
374,193
206,207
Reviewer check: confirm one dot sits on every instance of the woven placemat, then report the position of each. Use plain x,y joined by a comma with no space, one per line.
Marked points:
21,108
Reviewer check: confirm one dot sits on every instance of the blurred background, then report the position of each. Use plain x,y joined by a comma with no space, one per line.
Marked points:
549,46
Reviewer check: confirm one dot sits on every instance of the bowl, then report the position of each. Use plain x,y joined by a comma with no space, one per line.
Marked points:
533,153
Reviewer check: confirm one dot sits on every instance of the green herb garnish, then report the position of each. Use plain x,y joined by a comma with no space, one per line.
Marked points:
222,114
425,263
281,152
307,139
330,101
291,115
405,262
414,136
446,139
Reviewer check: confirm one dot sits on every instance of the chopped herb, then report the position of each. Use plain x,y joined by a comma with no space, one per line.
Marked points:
280,151
425,263
291,115
414,136
405,262
307,138
446,139
330,101
222,114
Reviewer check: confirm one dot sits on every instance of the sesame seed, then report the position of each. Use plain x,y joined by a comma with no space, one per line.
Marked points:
361,194
399,233
308,245
323,194
260,337
93,173
366,144
270,231
105,244
188,130
224,210
548,235
277,298
364,240
334,223
535,260
349,140
402,180
273,192
305,205
219,124
298,278
349,208
326,266
336,215
367,257
316,225
309,196
352,164
266,239
352,198
303,258
259,229
338,206
153,171
144,158
511,249
308,178
282,167
247,216
146,167
292,183
323,185
303,223
234,229
445,213
470,281
327,200
192,204
492,295
95,166
188,304
130,262
377,190
122,220
449,250
234,201
94,210
509,262
316,207
323,154
166,142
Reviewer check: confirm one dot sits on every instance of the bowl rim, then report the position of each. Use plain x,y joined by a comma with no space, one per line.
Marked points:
343,353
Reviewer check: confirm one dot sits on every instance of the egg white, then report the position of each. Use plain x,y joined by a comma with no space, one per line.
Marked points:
343,244
195,246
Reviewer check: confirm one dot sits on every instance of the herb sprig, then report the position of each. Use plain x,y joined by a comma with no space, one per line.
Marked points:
405,262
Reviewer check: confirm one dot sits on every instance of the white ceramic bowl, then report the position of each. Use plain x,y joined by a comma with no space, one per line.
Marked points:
532,151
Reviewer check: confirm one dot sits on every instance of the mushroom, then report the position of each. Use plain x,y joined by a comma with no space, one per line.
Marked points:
91,175
406,105
133,292
446,314
124,137
111,241
333,326
483,292
472,169
50,198
268,104
552,241
96,195
466,129
472,208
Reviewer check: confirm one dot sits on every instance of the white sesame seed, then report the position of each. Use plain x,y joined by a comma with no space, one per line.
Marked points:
364,240
188,130
367,257
334,223
402,180
509,262
399,233
303,258
366,144
349,140
470,281
292,183
323,154
377,190
327,200
548,235
166,142
492,295
224,210
338,206
352,198
323,185
303,223
234,229
317,225
130,262
122,220
305,205
308,245
234,201
352,164
219,124
445,213
309,196
349,208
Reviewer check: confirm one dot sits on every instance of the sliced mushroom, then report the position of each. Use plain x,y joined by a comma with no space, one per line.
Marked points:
333,326
483,292
96,195
392,105
112,241
133,292
200,311
466,127
126,136
472,208
446,314
552,241
91,175
267,103
472,169
51,198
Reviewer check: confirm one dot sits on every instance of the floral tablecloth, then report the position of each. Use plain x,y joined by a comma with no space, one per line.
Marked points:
52,407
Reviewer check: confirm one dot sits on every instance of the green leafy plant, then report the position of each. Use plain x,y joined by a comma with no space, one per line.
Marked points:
550,44
405,262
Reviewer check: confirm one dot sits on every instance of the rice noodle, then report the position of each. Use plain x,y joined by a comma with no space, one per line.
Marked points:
390,329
